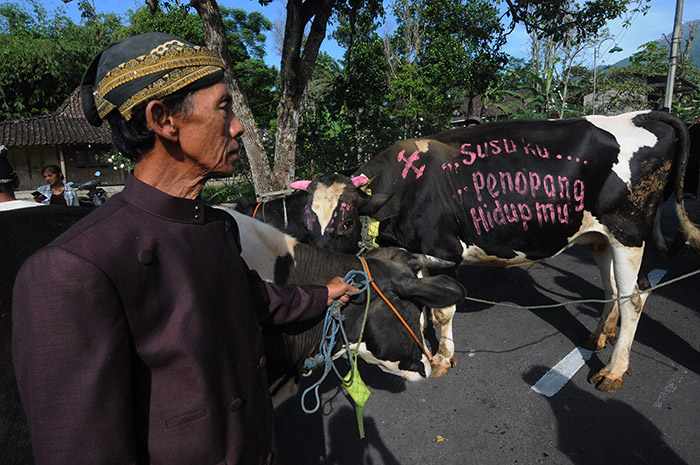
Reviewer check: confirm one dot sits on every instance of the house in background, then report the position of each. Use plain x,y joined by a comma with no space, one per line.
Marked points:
64,138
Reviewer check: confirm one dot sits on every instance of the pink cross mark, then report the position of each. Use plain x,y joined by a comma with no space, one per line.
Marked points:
409,164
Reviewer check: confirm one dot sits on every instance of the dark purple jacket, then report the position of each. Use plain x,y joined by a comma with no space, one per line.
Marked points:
137,338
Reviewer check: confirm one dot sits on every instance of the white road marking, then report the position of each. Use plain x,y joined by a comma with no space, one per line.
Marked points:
670,387
656,275
557,377
562,372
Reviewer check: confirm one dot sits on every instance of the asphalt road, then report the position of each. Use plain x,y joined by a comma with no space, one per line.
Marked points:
485,412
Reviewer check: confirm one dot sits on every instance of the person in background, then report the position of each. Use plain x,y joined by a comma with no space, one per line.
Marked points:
9,182
144,344
55,192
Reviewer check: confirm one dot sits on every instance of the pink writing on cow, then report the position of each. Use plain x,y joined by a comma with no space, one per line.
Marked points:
310,218
486,218
409,164
523,183
485,149
541,152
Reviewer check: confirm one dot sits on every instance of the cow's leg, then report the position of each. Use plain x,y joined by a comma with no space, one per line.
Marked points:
608,321
626,264
659,241
445,358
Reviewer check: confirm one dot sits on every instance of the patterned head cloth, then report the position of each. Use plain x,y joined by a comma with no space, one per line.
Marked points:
135,70
7,172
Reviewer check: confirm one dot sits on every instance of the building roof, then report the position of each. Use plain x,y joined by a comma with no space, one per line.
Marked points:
67,126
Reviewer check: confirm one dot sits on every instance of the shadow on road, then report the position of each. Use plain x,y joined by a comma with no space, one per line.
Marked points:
303,439
591,430
518,287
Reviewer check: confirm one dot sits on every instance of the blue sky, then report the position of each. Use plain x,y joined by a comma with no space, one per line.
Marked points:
657,21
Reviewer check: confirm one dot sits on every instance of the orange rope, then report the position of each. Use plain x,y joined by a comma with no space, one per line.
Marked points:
374,285
256,209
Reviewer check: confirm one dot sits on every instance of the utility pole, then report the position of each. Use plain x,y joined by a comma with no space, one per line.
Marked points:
675,52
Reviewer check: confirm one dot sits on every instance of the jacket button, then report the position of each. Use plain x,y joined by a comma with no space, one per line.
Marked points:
145,256
262,362
237,404
228,224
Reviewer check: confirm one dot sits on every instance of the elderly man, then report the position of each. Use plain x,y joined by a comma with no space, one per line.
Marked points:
144,346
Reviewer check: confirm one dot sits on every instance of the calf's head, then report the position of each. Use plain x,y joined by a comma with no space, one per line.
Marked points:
387,342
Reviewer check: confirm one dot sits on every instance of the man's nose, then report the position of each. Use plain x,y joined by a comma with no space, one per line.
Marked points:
236,127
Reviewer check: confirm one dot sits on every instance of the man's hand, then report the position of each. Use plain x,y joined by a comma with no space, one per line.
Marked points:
338,288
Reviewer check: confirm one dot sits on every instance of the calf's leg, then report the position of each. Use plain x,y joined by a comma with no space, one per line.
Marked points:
445,358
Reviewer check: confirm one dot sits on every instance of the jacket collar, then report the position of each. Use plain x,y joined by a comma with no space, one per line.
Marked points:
156,202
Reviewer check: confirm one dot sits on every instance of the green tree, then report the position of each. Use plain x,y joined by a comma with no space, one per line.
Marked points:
441,53
43,55
245,41
559,19
304,31
351,113
629,86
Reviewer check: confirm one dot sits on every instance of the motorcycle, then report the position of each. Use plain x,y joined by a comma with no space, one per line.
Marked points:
96,195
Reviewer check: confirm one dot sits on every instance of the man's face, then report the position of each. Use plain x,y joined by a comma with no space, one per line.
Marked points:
208,131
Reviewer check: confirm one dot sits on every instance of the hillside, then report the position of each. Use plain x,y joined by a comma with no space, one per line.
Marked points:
694,51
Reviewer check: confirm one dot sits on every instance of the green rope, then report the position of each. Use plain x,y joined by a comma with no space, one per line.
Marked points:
584,301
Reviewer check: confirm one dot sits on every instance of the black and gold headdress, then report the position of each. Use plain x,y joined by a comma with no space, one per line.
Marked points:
137,69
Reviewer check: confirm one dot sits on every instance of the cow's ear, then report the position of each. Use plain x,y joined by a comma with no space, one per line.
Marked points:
359,181
373,203
300,185
433,291
419,261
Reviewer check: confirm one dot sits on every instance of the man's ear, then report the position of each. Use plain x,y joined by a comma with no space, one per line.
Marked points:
160,120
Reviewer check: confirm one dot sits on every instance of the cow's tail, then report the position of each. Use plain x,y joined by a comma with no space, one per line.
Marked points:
690,230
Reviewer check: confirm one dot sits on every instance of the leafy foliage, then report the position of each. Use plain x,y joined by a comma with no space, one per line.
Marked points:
559,19
43,55
227,190
628,86
441,52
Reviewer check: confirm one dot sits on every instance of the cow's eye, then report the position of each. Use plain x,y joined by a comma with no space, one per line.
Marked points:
346,225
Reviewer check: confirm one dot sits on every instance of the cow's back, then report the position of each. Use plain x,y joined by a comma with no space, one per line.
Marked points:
520,190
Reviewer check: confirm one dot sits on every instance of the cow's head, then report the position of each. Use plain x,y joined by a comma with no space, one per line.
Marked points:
333,209
387,342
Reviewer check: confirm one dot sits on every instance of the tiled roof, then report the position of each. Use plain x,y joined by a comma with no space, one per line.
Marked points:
67,126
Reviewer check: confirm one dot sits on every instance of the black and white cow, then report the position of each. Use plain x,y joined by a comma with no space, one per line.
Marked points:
324,212
280,258
519,192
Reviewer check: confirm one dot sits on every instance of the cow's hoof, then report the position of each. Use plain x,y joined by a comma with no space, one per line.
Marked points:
441,365
439,371
604,382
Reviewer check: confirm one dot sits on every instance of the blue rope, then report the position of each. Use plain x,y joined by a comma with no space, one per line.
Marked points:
331,325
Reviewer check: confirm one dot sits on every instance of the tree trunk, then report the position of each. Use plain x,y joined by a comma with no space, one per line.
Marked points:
295,71
215,38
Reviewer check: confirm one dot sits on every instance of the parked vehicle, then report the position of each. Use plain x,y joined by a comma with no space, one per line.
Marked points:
96,195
